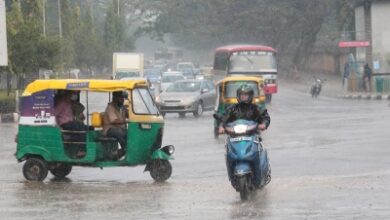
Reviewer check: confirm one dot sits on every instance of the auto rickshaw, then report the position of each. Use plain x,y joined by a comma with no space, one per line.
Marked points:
227,95
47,147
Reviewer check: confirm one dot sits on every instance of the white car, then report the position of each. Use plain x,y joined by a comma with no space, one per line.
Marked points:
170,77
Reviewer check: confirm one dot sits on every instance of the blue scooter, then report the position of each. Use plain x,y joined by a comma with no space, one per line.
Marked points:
246,160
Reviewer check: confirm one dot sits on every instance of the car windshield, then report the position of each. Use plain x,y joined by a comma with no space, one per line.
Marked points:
121,75
184,87
172,78
231,88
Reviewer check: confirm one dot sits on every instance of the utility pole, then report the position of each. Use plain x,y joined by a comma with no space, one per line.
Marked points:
44,17
59,18
92,11
118,7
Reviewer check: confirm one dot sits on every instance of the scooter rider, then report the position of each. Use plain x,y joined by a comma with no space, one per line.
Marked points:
246,110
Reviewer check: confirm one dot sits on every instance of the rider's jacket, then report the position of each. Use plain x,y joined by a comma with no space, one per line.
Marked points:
250,112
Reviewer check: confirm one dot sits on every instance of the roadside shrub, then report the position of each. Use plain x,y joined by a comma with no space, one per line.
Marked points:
7,102
7,105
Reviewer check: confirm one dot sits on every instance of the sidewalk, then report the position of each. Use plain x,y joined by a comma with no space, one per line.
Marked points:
367,96
332,87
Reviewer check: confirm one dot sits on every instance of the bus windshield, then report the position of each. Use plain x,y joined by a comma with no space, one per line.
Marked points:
252,61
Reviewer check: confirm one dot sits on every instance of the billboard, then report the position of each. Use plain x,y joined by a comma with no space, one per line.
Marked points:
345,44
3,36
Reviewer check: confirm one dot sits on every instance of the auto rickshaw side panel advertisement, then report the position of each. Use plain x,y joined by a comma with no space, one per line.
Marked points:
38,109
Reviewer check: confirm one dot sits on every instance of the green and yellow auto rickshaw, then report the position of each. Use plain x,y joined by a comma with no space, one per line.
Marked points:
44,146
227,95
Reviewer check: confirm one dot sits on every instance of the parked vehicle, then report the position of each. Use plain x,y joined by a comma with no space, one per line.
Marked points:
184,96
170,77
227,94
316,87
247,161
127,65
44,146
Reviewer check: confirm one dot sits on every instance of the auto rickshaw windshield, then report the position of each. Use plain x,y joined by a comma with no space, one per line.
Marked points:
231,88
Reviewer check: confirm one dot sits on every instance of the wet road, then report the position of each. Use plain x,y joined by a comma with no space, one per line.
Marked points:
330,159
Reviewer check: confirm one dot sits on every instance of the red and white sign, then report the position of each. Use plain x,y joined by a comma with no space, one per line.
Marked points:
344,44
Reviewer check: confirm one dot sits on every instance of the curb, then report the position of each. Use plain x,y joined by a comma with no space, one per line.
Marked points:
9,117
365,96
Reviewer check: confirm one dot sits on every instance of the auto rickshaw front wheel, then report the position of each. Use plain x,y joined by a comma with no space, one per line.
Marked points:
35,169
160,170
61,170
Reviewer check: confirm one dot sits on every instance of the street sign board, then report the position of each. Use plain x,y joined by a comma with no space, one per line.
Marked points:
3,36
344,44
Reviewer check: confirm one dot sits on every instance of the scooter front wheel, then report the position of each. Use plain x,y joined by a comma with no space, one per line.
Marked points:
243,187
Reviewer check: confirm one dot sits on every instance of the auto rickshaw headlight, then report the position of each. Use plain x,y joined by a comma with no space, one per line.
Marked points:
169,149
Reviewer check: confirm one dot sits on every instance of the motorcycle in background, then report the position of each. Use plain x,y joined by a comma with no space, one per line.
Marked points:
246,160
316,87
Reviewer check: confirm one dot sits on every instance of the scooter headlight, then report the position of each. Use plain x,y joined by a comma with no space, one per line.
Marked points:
169,149
240,129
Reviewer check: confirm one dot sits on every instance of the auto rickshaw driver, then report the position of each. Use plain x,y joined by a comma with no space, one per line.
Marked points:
115,121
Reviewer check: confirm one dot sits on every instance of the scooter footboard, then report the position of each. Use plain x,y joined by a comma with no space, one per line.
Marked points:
242,168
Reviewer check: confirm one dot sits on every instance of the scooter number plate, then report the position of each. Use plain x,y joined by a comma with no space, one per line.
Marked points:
240,139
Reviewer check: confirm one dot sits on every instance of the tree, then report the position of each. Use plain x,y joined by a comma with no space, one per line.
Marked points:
70,23
88,49
116,39
28,49
291,26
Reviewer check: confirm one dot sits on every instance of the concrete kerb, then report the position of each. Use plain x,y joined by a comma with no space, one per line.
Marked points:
363,96
9,117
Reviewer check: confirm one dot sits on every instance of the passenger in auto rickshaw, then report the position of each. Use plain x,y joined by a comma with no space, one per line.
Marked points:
115,120
70,117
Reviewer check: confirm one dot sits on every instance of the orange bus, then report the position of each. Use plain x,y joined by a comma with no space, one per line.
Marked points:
249,60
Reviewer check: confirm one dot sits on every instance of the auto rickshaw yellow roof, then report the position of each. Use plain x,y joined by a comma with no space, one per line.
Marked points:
241,78
96,85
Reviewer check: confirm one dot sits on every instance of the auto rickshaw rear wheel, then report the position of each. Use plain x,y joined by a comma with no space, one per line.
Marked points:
35,169
61,170
160,170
